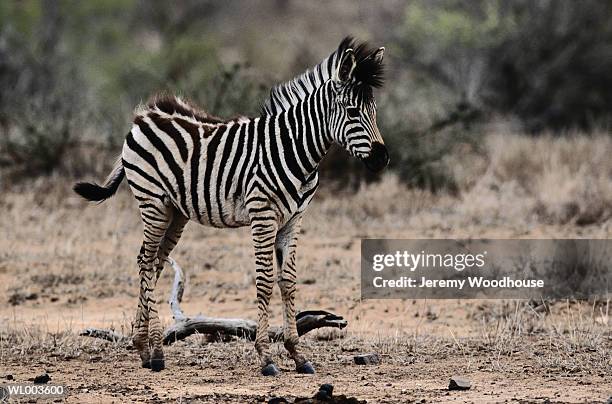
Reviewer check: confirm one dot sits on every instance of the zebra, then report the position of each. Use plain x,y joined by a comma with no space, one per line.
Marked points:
183,164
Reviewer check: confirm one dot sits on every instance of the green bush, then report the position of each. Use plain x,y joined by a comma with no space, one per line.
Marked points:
544,62
42,92
73,72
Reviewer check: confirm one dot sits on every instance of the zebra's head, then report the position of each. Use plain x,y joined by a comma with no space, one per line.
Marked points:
353,110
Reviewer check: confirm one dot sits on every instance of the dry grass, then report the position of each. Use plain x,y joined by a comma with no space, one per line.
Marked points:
542,180
66,265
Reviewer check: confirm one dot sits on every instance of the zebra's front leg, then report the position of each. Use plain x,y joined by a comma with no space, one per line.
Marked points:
264,232
285,244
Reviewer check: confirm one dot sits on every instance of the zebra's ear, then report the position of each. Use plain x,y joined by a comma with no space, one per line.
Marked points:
377,55
346,66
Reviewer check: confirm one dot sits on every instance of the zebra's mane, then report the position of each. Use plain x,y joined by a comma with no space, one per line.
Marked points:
172,105
368,72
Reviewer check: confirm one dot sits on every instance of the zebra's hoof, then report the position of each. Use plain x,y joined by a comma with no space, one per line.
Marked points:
157,365
270,370
146,364
306,368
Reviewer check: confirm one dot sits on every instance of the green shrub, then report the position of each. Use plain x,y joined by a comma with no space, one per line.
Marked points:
544,62
41,99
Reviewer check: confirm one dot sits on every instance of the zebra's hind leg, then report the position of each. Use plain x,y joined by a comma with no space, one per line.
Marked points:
141,333
285,244
263,230
157,219
170,240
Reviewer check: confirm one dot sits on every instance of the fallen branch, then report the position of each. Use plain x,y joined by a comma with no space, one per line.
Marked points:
178,287
220,327
306,321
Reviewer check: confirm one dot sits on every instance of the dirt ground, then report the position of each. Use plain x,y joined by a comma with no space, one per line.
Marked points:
66,265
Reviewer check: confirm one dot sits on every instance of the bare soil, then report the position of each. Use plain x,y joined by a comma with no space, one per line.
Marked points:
66,265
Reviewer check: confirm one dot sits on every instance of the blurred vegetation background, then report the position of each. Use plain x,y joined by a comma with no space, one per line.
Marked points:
71,73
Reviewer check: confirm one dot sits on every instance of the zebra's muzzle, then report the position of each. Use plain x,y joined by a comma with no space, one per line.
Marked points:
378,158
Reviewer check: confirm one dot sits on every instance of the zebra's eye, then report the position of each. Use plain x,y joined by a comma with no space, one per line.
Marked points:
352,112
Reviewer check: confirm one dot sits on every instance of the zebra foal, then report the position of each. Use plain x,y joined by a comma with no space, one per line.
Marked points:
183,164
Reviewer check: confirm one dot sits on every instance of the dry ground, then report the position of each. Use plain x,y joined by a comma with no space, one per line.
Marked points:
66,265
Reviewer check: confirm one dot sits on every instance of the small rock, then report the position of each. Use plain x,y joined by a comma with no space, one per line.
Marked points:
277,400
322,396
325,393
327,388
459,383
42,379
343,399
9,377
367,359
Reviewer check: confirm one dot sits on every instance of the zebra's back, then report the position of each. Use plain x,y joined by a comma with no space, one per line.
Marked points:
175,154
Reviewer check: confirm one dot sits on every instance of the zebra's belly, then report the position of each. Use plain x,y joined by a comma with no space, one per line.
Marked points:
223,213
234,214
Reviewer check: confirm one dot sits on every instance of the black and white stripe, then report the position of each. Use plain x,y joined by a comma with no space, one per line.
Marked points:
183,164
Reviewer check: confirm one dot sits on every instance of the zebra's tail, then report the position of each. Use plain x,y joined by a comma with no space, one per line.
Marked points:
96,193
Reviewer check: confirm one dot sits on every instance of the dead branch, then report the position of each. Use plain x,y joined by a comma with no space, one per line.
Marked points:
306,321
220,327
178,287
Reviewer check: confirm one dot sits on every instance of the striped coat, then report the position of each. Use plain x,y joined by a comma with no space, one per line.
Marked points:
211,171
183,164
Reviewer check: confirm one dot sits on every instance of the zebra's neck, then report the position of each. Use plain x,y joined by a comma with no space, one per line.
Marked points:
285,95
302,133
